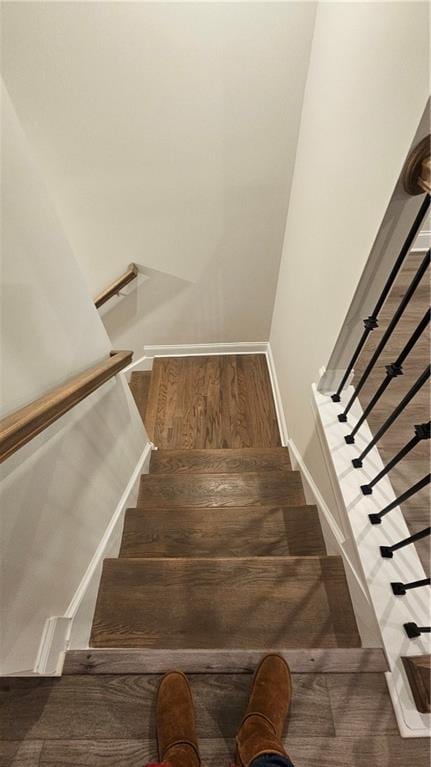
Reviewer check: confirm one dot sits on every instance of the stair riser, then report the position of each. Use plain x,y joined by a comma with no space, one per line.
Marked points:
222,490
219,461
235,532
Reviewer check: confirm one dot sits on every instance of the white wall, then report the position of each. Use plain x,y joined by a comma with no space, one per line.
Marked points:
59,491
366,90
167,135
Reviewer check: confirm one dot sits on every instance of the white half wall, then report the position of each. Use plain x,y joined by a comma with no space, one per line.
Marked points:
167,135
60,491
366,91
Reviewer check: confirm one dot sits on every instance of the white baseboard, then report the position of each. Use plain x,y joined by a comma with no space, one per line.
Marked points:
192,350
59,631
142,364
53,643
281,418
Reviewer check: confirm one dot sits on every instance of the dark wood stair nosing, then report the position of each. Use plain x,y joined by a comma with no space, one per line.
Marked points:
154,661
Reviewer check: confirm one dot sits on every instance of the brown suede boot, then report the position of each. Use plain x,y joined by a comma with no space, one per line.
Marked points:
175,722
261,729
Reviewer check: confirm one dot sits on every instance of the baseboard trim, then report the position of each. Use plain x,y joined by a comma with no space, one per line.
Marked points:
316,496
279,409
53,643
199,350
55,640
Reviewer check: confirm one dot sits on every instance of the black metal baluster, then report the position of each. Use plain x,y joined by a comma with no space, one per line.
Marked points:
388,332
376,519
392,371
399,589
413,630
422,431
372,321
357,462
388,551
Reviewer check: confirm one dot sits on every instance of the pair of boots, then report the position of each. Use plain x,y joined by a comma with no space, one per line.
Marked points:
261,728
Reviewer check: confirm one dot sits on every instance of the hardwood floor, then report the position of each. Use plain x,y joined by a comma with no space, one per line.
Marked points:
416,465
211,402
336,720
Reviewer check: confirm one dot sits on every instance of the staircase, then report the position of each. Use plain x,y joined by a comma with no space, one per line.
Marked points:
222,552
220,561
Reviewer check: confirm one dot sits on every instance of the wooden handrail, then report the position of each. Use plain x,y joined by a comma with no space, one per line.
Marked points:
20,427
114,289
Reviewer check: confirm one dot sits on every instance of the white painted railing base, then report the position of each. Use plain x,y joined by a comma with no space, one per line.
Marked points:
391,611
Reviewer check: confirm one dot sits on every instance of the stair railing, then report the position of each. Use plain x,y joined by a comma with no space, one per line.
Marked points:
115,287
421,431
416,181
24,424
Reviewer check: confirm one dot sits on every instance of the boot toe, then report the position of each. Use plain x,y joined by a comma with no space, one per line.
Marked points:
271,691
175,718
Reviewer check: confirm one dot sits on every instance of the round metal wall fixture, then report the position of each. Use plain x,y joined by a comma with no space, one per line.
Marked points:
417,168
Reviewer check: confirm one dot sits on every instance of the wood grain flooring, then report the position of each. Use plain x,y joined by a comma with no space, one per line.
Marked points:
219,603
236,532
95,721
417,509
169,491
211,402
362,751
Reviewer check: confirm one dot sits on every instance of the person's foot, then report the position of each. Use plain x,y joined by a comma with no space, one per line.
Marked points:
261,729
175,722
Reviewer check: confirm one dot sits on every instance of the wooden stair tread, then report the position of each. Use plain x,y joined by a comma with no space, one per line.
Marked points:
165,491
219,461
258,602
242,532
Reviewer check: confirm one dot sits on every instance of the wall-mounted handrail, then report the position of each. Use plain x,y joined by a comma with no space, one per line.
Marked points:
115,287
20,427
